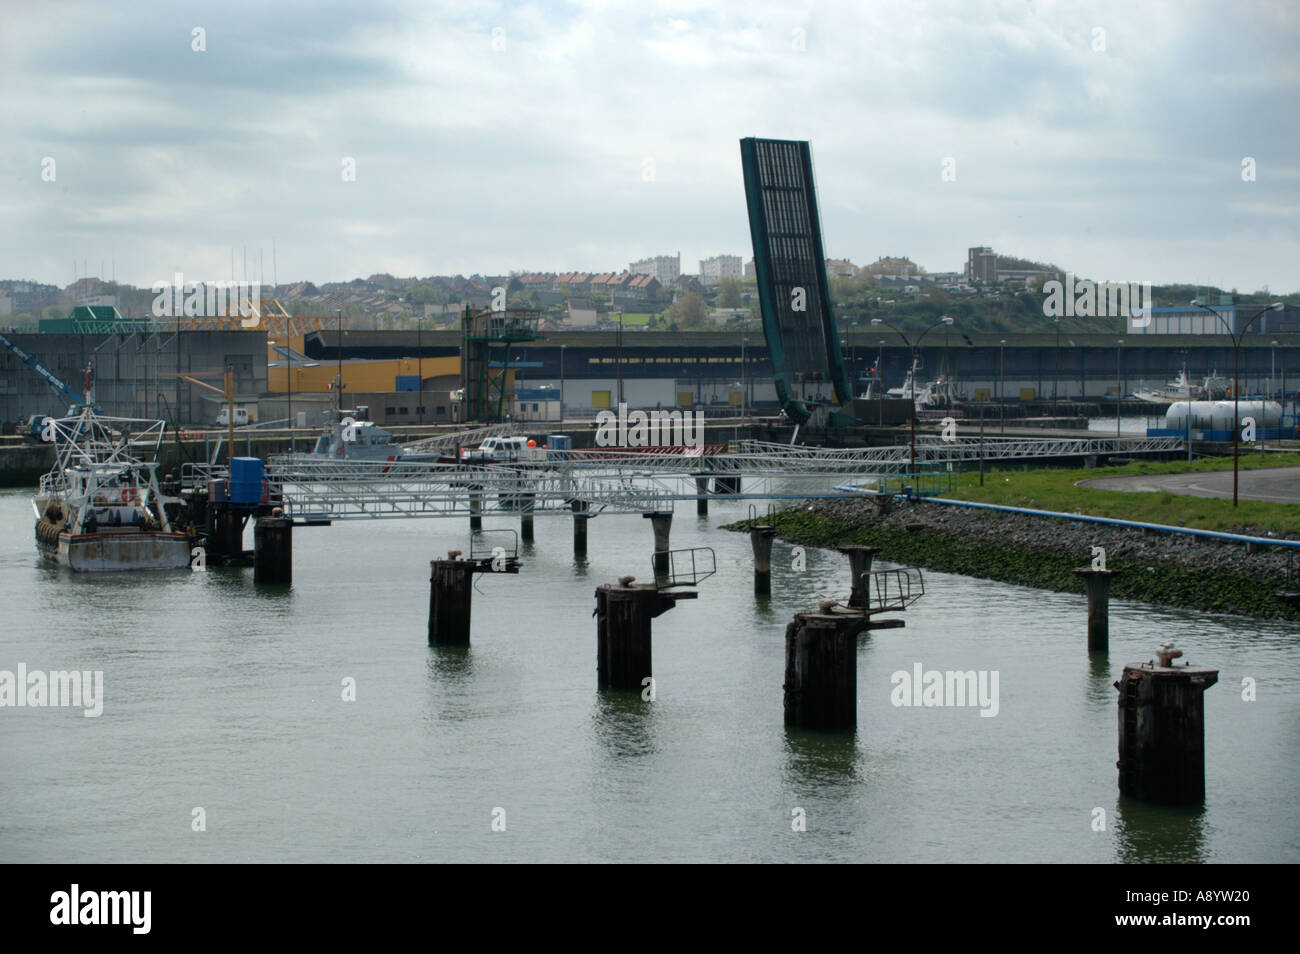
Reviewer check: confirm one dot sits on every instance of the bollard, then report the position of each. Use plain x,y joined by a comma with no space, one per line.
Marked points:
821,671
1098,585
760,538
475,508
702,495
526,517
623,615
451,583
662,523
1162,731
860,558
580,518
273,550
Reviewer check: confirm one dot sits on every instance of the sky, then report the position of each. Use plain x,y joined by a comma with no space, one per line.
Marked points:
1126,141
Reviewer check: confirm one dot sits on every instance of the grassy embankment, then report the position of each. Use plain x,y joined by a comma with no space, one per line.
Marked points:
996,556
1058,490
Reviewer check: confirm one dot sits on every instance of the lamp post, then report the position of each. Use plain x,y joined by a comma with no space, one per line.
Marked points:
338,397
419,352
744,380
1236,336
915,348
620,357
1056,382
1119,388
1002,382
562,347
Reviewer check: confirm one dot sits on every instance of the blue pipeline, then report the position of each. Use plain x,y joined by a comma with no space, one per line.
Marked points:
1082,518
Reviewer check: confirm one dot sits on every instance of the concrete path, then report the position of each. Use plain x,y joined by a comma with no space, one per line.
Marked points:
1272,485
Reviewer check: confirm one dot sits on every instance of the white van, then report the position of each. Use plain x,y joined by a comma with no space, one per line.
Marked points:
241,417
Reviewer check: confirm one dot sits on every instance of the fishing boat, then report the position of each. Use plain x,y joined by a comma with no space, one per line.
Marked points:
1180,389
100,509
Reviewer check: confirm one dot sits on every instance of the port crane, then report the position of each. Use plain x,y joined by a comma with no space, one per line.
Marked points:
76,401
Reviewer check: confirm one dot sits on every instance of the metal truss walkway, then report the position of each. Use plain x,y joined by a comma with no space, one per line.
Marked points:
627,481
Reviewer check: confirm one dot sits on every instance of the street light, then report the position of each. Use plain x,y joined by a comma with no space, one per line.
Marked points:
419,352
1236,337
744,380
1119,388
562,347
915,348
1002,382
1056,383
338,397
620,357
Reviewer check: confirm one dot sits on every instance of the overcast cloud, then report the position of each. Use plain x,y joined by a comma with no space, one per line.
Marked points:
529,147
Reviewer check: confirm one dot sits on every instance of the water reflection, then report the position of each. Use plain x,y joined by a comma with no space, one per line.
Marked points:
1146,834
816,758
624,723
1100,688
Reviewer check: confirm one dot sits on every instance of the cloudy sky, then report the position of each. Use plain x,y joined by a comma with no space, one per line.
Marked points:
1108,138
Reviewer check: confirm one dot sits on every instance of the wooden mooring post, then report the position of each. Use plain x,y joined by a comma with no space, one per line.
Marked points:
475,508
860,558
273,550
526,516
451,587
821,670
1162,730
580,518
225,537
662,522
623,615
702,495
1098,587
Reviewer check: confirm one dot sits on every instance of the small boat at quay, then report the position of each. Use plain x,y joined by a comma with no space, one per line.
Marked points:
100,509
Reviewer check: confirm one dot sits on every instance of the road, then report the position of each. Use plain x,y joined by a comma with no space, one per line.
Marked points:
1271,485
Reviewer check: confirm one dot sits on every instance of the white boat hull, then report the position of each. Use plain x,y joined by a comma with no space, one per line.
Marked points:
120,551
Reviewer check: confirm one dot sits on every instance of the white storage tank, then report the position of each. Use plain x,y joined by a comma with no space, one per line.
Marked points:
1217,415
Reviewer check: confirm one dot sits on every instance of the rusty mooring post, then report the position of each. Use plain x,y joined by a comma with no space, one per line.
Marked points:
273,550
662,522
526,516
760,538
451,585
475,508
860,558
623,615
1162,730
1098,586
225,538
580,517
702,495
821,670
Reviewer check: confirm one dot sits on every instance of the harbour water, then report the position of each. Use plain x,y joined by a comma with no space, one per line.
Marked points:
226,697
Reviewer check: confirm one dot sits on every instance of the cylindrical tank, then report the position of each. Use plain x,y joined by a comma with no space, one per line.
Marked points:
1217,415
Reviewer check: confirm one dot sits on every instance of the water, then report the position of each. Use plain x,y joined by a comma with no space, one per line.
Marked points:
226,697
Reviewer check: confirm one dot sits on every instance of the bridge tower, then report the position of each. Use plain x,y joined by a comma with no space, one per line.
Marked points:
486,337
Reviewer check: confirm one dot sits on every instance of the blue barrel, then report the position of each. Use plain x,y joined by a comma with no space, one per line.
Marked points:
246,475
